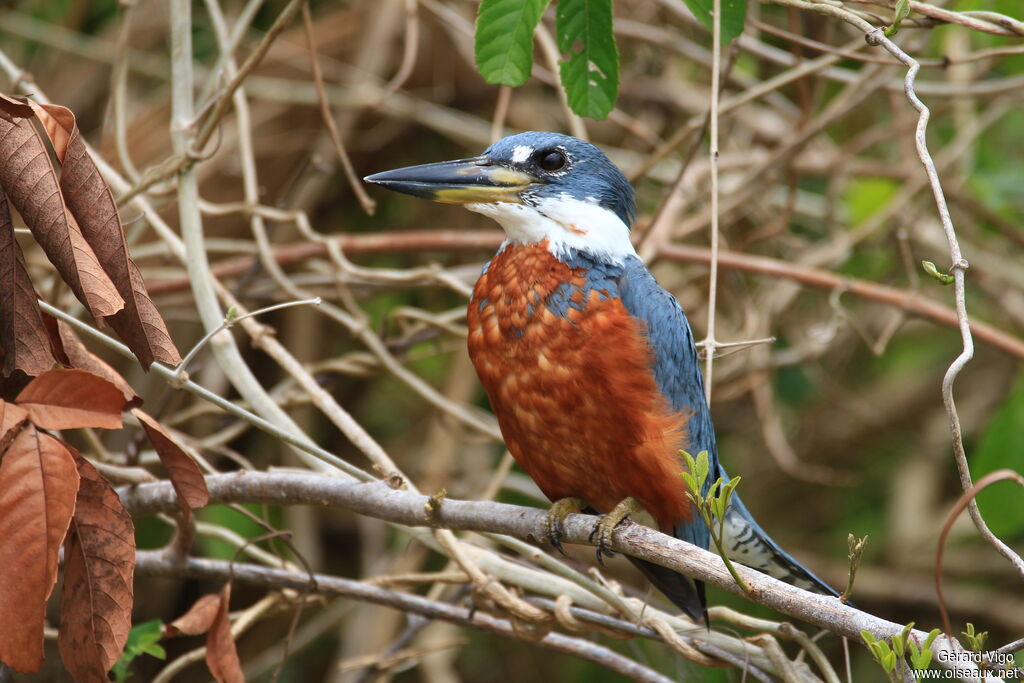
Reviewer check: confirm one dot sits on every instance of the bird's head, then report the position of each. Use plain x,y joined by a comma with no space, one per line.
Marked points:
540,187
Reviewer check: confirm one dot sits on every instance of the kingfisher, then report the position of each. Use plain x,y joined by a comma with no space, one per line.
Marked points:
590,366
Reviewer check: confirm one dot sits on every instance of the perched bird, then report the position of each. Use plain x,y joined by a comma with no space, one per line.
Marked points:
590,366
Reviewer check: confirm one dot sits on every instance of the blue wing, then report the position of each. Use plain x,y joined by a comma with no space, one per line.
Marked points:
676,369
678,375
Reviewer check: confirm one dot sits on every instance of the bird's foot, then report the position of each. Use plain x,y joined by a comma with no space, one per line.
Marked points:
555,522
605,526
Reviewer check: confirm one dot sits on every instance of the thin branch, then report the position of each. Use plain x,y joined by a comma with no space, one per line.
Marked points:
152,564
487,240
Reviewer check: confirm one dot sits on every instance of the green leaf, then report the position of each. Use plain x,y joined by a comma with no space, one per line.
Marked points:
889,662
142,639
590,71
504,39
1002,445
900,13
734,12
702,467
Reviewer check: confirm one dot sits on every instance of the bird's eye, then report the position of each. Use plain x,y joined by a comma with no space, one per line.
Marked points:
552,161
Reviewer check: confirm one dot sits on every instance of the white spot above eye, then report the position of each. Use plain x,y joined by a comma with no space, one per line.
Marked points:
521,153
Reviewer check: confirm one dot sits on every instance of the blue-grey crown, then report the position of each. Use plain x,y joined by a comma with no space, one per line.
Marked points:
588,175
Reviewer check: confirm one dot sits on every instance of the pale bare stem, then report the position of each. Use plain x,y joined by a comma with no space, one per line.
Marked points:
549,50
320,397
410,43
500,112
196,261
229,321
414,604
958,264
710,343
368,204
119,87
296,440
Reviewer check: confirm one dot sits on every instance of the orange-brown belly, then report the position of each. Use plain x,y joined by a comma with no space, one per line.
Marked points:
574,393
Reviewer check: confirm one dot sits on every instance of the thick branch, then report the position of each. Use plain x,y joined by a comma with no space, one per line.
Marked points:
378,499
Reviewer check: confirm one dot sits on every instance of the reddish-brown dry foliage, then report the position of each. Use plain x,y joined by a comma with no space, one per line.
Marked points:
77,356
30,182
198,619
221,654
75,220
184,473
139,323
25,341
72,398
99,562
49,493
38,483
43,482
11,417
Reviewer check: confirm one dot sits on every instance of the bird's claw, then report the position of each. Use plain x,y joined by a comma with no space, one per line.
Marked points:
555,522
605,527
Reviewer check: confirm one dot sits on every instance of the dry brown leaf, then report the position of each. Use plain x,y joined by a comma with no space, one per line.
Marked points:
38,482
28,178
78,356
88,197
22,334
197,620
185,475
11,417
99,563
221,654
69,398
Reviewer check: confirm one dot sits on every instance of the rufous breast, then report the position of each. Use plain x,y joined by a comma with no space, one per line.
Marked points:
569,375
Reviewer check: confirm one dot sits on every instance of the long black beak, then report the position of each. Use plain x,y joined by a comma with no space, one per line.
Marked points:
463,181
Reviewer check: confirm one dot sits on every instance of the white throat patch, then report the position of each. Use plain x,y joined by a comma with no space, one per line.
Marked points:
566,222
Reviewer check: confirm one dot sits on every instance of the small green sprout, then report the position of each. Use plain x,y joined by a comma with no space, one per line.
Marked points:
143,639
712,505
931,269
900,13
891,654
975,639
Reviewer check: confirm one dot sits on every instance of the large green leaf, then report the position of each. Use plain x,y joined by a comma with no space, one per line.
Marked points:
733,14
1002,445
590,72
504,39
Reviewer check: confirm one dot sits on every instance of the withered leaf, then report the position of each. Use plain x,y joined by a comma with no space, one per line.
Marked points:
185,475
198,619
99,563
68,398
91,202
78,356
38,483
14,108
22,334
11,417
221,654
28,178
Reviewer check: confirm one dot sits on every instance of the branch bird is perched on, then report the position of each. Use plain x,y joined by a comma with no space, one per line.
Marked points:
590,365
